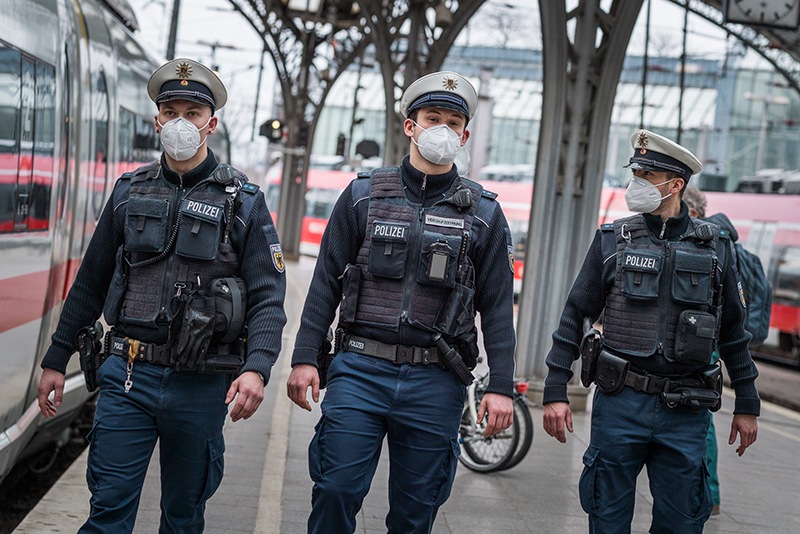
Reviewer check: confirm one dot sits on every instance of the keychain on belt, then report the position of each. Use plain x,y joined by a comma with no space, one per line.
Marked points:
133,351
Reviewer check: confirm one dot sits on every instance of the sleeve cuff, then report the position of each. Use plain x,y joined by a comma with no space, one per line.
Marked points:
57,359
747,406
305,356
555,394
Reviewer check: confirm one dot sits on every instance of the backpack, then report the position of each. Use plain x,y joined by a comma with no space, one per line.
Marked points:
757,291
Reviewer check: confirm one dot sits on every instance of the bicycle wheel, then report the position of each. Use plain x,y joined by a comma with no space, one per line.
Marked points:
524,423
485,454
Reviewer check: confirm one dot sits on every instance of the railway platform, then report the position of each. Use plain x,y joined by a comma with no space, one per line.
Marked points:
267,489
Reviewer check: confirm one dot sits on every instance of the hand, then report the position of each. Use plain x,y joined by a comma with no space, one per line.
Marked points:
249,392
555,416
747,428
501,413
302,377
51,380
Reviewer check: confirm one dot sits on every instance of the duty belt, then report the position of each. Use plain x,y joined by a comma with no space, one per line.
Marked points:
397,354
648,383
148,352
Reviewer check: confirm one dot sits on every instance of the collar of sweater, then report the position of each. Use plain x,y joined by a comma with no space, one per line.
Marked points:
436,185
676,226
190,178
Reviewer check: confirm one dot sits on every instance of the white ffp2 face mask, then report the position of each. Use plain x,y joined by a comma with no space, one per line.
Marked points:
181,139
438,144
644,197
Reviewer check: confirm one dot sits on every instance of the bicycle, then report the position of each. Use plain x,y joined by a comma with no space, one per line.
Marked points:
503,450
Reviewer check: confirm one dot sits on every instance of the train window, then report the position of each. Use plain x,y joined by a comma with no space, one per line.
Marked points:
320,202
787,286
100,115
10,103
25,165
43,148
137,140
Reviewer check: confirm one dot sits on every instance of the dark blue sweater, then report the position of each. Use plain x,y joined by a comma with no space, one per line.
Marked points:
587,299
494,279
266,287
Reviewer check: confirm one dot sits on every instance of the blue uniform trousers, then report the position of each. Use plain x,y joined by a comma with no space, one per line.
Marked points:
418,409
185,412
634,429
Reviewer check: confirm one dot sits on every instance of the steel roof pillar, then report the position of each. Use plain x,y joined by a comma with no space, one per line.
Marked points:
583,52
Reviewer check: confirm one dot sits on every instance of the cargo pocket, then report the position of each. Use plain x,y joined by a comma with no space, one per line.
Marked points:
694,339
448,474
91,464
146,225
199,232
641,272
388,249
703,502
691,283
315,469
216,467
586,486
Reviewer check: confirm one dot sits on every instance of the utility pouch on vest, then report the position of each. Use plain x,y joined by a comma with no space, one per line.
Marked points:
452,360
456,311
197,329
351,281
641,272
146,224
116,289
90,352
694,338
692,281
230,302
388,249
590,350
228,360
439,259
200,230
611,372
693,397
326,354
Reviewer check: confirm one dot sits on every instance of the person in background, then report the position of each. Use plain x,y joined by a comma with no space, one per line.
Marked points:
186,265
409,256
663,282
696,202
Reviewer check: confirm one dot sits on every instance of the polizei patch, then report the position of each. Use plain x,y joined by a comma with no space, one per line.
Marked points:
433,220
640,262
389,231
207,211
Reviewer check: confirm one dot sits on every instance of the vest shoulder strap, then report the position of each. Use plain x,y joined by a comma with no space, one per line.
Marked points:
608,240
146,172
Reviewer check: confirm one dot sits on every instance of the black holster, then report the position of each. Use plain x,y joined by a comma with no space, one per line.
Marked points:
693,397
590,349
611,372
452,361
90,352
326,353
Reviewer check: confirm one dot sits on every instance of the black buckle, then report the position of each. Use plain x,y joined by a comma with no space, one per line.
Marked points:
404,354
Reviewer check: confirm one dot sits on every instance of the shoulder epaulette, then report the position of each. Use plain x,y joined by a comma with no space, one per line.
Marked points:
363,174
607,227
126,176
488,194
249,187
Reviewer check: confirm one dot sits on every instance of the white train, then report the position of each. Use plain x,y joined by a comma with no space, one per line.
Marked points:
74,115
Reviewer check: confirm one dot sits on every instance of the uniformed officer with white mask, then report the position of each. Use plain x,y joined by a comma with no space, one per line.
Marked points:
185,264
668,291
409,256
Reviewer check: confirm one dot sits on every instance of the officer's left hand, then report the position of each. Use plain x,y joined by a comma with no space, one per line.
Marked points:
501,413
249,392
747,428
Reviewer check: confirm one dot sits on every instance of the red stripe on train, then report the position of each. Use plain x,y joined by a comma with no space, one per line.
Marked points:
25,298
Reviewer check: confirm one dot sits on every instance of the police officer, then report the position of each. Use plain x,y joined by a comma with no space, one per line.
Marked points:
669,293
409,255
184,258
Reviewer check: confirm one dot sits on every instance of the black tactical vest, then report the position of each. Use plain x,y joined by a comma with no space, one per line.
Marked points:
176,240
662,312
413,265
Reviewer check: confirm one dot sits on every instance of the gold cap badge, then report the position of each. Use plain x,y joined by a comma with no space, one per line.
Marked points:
451,84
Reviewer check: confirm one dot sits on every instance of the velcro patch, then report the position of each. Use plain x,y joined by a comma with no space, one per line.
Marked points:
390,231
